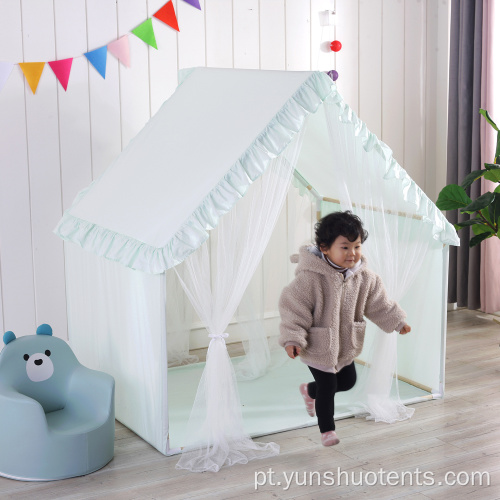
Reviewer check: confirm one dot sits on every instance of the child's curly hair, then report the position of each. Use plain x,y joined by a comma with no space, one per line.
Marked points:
336,224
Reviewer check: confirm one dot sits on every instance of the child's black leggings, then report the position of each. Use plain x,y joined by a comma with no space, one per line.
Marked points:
323,391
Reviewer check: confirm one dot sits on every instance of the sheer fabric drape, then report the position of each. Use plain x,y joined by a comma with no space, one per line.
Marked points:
179,320
215,428
397,244
258,310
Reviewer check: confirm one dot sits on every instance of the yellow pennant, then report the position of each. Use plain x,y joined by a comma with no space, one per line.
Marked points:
32,72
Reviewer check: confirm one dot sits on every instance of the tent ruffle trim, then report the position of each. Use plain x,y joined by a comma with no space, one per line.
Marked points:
442,230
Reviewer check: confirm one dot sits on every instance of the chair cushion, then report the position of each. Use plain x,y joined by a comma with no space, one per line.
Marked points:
68,422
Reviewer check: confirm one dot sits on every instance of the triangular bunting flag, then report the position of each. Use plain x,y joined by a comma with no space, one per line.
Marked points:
167,15
62,69
194,3
32,72
145,32
121,50
5,70
97,58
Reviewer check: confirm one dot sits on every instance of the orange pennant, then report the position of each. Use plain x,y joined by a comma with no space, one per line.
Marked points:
167,15
32,72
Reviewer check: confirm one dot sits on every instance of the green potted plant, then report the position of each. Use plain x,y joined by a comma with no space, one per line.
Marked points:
484,210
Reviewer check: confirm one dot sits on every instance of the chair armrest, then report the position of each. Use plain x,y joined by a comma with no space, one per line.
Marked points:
20,412
91,391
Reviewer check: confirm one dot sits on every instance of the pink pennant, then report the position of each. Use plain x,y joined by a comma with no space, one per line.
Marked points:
62,69
120,49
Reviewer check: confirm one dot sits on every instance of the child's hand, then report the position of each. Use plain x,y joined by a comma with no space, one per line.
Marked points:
292,350
406,329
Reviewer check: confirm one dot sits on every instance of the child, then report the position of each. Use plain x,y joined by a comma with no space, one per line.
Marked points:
322,313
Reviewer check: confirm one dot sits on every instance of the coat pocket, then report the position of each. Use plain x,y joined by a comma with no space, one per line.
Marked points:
319,340
358,335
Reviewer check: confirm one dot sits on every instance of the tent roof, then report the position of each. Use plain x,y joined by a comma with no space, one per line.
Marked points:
195,158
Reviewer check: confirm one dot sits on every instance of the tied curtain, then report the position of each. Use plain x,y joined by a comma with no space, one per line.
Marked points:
216,436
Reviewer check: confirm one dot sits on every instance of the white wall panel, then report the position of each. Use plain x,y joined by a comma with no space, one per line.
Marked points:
393,74
219,33
73,109
431,90
347,59
272,34
42,130
191,39
134,81
298,35
436,97
105,120
246,34
415,80
370,64
18,293
322,57
163,63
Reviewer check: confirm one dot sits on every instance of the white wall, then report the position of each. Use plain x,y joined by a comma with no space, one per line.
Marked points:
393,72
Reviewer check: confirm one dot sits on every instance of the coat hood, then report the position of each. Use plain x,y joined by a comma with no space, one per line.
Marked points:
309,259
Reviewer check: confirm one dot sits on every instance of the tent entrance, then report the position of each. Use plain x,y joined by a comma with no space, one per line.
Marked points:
270,404
270,400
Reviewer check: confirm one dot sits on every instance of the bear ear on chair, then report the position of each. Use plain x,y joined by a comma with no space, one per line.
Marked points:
44,330
8,337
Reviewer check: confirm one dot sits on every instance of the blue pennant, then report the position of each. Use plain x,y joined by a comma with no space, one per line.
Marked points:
97,58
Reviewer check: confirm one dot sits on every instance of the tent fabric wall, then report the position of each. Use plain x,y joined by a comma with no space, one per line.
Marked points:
152,209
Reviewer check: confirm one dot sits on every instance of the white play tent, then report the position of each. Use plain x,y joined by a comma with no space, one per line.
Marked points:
196,220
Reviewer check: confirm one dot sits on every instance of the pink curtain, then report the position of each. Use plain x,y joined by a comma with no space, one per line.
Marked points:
490,249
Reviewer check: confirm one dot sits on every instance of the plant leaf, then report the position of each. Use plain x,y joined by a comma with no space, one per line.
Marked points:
470,222
482,202
486,214
497,189
494,209
482,228
473,176
477,239
490,166
452,197
493,174
497,152
488,118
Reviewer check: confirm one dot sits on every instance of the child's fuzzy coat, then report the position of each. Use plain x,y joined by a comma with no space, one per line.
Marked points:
324,314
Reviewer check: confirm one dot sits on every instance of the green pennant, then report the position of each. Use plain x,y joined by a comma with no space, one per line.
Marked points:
145,32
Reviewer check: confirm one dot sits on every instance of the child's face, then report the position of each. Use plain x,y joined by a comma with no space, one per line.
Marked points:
343,252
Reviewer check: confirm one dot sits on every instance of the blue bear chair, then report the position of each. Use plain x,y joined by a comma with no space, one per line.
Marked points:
57,418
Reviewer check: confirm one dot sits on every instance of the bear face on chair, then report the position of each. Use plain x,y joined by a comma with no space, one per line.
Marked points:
39,366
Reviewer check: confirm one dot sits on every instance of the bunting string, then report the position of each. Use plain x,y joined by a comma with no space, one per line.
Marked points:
98,57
